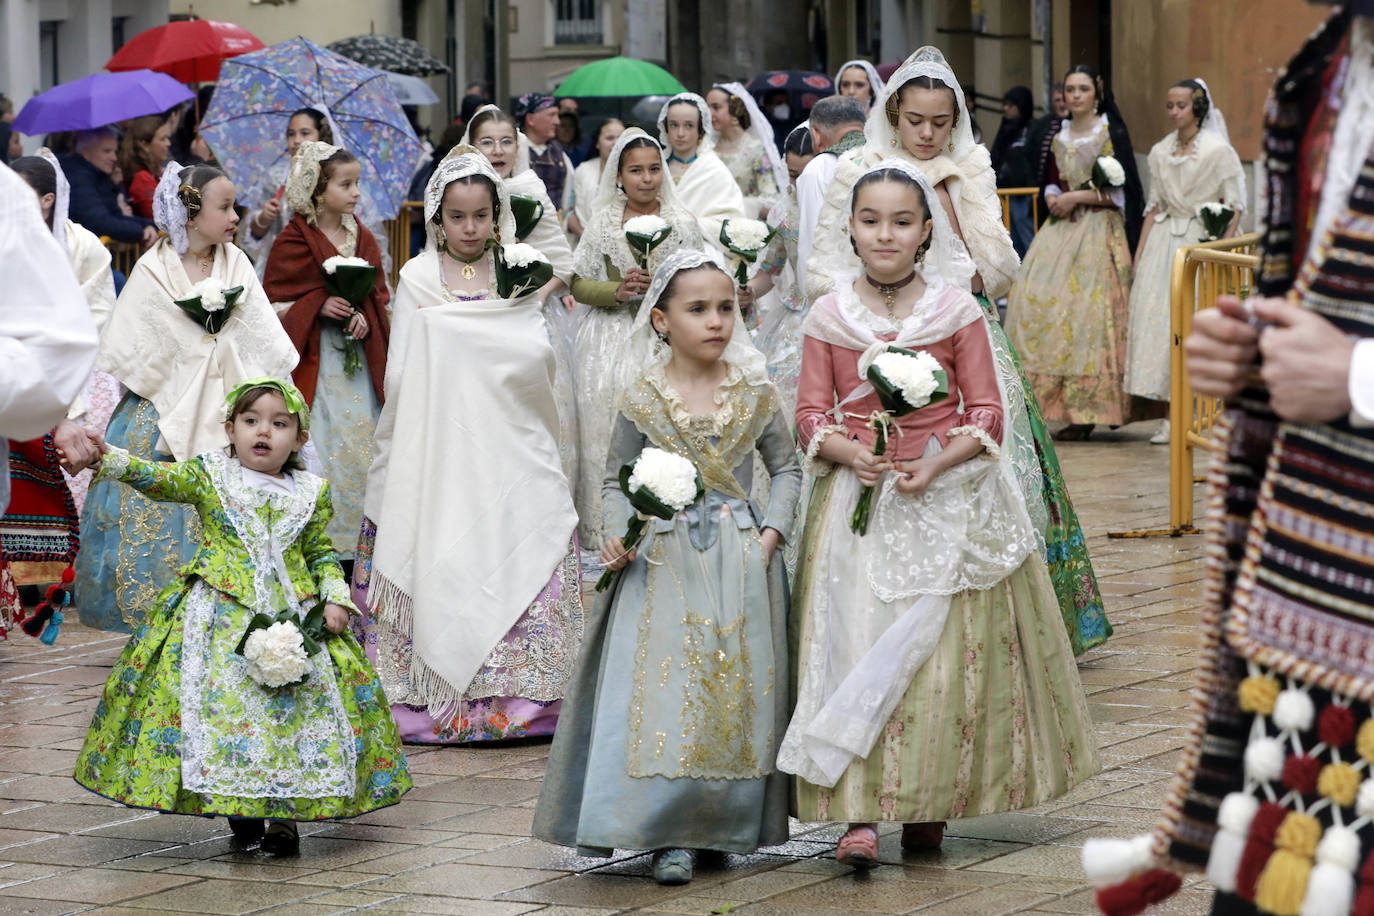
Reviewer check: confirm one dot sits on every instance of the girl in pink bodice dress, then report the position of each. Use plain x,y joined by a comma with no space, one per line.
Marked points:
934,677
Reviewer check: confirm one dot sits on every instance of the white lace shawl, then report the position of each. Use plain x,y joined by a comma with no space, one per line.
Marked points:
966,172
604,237
1180,184
157,351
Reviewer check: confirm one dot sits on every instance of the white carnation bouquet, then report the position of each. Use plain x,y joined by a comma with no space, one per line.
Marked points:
277,650
745,239
332,265
905,381
352,280
1107,173
1216,218
210,304
644,234
658,484
520,269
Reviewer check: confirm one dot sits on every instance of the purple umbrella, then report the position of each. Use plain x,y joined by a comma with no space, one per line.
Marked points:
100,99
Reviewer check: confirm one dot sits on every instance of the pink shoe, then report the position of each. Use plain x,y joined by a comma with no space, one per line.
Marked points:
858,848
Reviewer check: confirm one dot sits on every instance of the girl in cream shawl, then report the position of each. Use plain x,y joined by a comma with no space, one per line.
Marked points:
704,183
177,376
467,561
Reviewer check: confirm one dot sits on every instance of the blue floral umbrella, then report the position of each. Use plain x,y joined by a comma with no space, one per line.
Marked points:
246,122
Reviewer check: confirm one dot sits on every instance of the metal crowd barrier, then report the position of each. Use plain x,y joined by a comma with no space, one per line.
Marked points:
1201,274
398,233
1006,194
123,255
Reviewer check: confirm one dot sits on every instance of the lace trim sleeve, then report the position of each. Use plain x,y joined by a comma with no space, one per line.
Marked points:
114,465
994,450
815,465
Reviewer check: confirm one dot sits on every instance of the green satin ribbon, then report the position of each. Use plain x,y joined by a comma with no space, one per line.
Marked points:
295,401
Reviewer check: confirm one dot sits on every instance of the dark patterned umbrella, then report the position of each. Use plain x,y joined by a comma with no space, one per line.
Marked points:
388,52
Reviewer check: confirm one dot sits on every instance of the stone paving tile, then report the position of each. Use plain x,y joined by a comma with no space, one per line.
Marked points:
460,842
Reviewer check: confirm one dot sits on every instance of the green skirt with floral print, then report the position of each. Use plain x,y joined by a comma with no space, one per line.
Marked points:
181,728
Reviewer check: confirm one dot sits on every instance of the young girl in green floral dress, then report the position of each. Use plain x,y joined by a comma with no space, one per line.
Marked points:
186,724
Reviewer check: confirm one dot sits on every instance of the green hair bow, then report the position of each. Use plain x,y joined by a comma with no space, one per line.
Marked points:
295,401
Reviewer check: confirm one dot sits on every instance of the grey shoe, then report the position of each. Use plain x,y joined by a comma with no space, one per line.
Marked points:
673,866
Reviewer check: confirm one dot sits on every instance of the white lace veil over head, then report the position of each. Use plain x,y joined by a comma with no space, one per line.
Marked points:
927,61
463,162
945,256
708,138
522,156
1216,123
305,176
169,213
62,195
645,350
760,128
875,82
605,237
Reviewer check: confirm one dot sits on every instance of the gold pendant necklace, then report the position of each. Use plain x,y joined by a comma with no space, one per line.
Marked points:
204,261
468,271
889,292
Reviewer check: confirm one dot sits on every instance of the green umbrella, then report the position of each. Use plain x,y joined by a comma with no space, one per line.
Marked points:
617,77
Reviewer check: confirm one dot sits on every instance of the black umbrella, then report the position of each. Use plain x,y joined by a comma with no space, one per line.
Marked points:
802,88
388,52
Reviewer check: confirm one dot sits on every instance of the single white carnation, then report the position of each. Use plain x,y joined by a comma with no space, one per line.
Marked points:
1216,208
671,478
522,255
1115,174
276,655
211,295
334,263
746,234
914,376
648,224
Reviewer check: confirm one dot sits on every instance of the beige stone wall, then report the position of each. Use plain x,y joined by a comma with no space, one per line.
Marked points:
322,21
1237,46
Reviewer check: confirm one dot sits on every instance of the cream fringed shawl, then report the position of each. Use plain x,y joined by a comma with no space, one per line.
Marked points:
473,510
972,187
709,190
158,352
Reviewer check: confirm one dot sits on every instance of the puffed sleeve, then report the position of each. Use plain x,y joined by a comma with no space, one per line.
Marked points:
815,401
976,372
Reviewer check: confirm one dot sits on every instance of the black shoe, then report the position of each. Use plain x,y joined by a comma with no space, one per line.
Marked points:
247,830
281,839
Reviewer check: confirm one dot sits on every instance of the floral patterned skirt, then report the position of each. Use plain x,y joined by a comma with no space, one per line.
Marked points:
181,728
547,635
995,720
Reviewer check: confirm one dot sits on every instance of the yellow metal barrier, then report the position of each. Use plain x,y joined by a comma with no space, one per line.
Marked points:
398,232
123,255
1006,194
1201,274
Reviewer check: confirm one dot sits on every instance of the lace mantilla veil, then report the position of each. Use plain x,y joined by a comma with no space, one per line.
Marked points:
926,61
644,350
708,139
605,237
761,129
169,213
522,156
875,82
462,162
62,196
1216,123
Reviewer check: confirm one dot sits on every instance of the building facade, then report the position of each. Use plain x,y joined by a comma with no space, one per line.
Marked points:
47,42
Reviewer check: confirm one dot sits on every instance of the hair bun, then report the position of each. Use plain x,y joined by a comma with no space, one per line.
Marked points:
190,199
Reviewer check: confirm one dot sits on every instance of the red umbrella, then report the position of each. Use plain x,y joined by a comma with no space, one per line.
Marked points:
190,51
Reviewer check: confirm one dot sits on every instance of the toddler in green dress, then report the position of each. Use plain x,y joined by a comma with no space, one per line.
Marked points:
186,723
